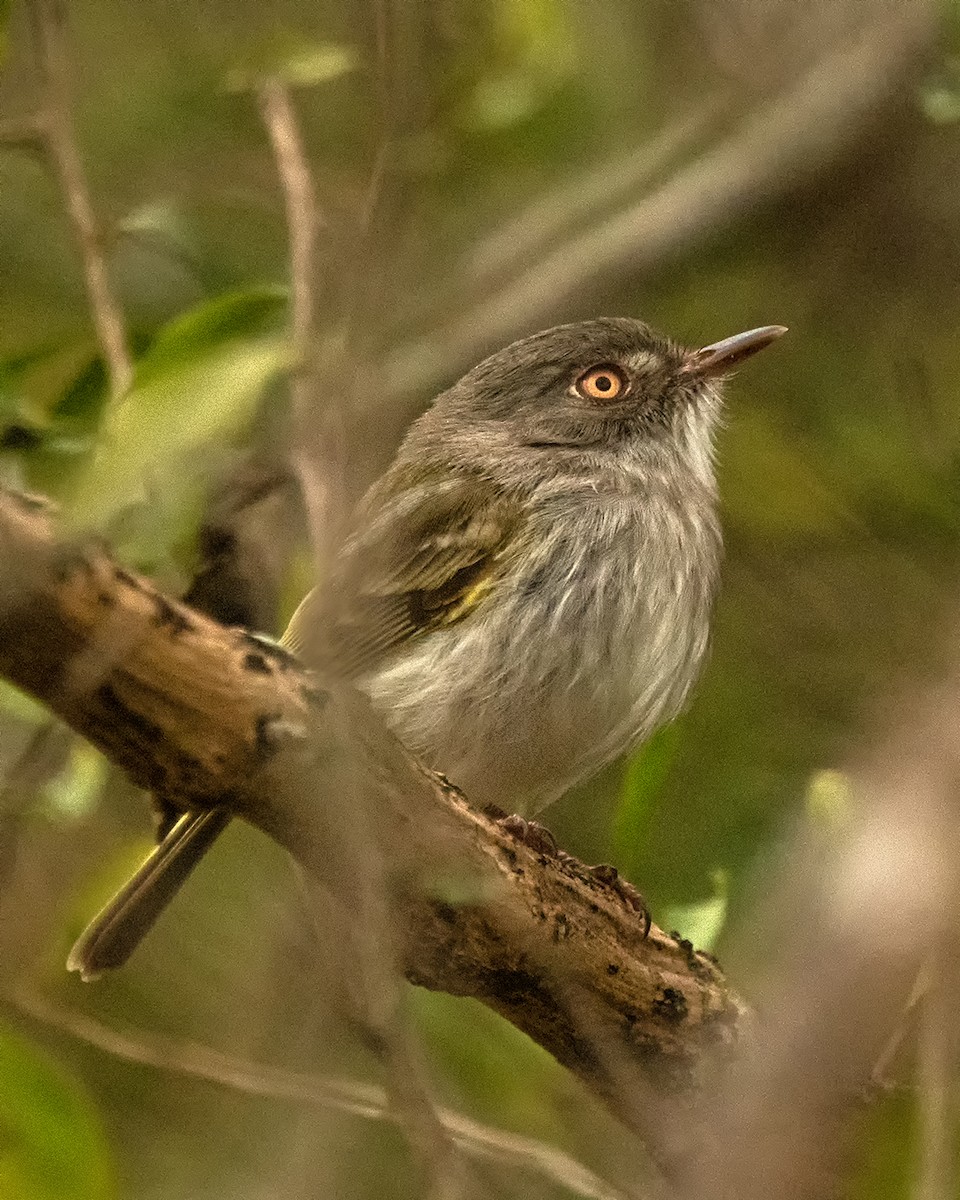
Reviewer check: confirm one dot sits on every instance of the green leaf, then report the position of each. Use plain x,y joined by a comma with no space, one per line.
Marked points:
52,1145
194,393
830,799
940,95
250,313
74,790
299,64
20,706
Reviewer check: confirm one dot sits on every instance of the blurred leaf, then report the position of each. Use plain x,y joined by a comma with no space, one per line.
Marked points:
645,775
701,922
940,96
940,104
34,383
20,706
159,220
196,390
249,313
300,65
830,799
52,1146
73,792
51,401
535,53
84,397
538,33
500,101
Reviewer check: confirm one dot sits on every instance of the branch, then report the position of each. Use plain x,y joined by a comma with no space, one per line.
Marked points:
61,141
319,477
211,716
364,1100
279,118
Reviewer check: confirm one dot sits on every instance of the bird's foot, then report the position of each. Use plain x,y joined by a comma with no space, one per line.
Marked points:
542,841
530,833
610,877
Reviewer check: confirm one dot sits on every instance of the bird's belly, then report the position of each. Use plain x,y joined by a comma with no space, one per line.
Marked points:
520,702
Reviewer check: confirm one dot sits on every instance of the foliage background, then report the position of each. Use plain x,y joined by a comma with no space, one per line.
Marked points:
481,170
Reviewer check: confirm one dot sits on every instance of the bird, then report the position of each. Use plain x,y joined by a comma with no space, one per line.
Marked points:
525,594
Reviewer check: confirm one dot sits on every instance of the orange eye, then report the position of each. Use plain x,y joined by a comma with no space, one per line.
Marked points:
605,382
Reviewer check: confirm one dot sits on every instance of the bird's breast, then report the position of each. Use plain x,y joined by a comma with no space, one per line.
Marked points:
590,637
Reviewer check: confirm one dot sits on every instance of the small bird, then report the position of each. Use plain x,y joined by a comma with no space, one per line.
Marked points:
525,594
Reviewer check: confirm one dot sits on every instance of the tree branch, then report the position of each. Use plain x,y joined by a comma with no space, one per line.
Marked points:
212,716
365,1100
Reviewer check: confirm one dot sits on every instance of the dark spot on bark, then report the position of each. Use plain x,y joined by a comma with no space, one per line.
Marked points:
255,661
127,733
515,986
267,741
561,927
106,599
613,969
170,616
270,649
671,1005
69,562
128,579
446,912
147,732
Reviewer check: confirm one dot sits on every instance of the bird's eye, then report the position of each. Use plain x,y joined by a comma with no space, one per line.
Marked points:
605,382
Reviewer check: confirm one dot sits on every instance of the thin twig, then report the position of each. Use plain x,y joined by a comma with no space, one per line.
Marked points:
881,1076
279,118
318,478
364,1100
48,26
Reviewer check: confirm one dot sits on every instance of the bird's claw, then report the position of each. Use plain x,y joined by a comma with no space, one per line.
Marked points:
530,833
610,877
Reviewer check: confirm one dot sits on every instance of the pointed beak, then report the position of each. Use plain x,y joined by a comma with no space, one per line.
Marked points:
721,357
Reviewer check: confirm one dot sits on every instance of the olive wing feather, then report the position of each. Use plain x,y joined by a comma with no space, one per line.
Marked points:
420,558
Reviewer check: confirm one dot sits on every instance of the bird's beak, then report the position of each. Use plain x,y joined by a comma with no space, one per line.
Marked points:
720,357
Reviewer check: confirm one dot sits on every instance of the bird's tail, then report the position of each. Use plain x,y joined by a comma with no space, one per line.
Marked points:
116,931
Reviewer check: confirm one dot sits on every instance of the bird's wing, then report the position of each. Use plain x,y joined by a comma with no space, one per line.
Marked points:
422,557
